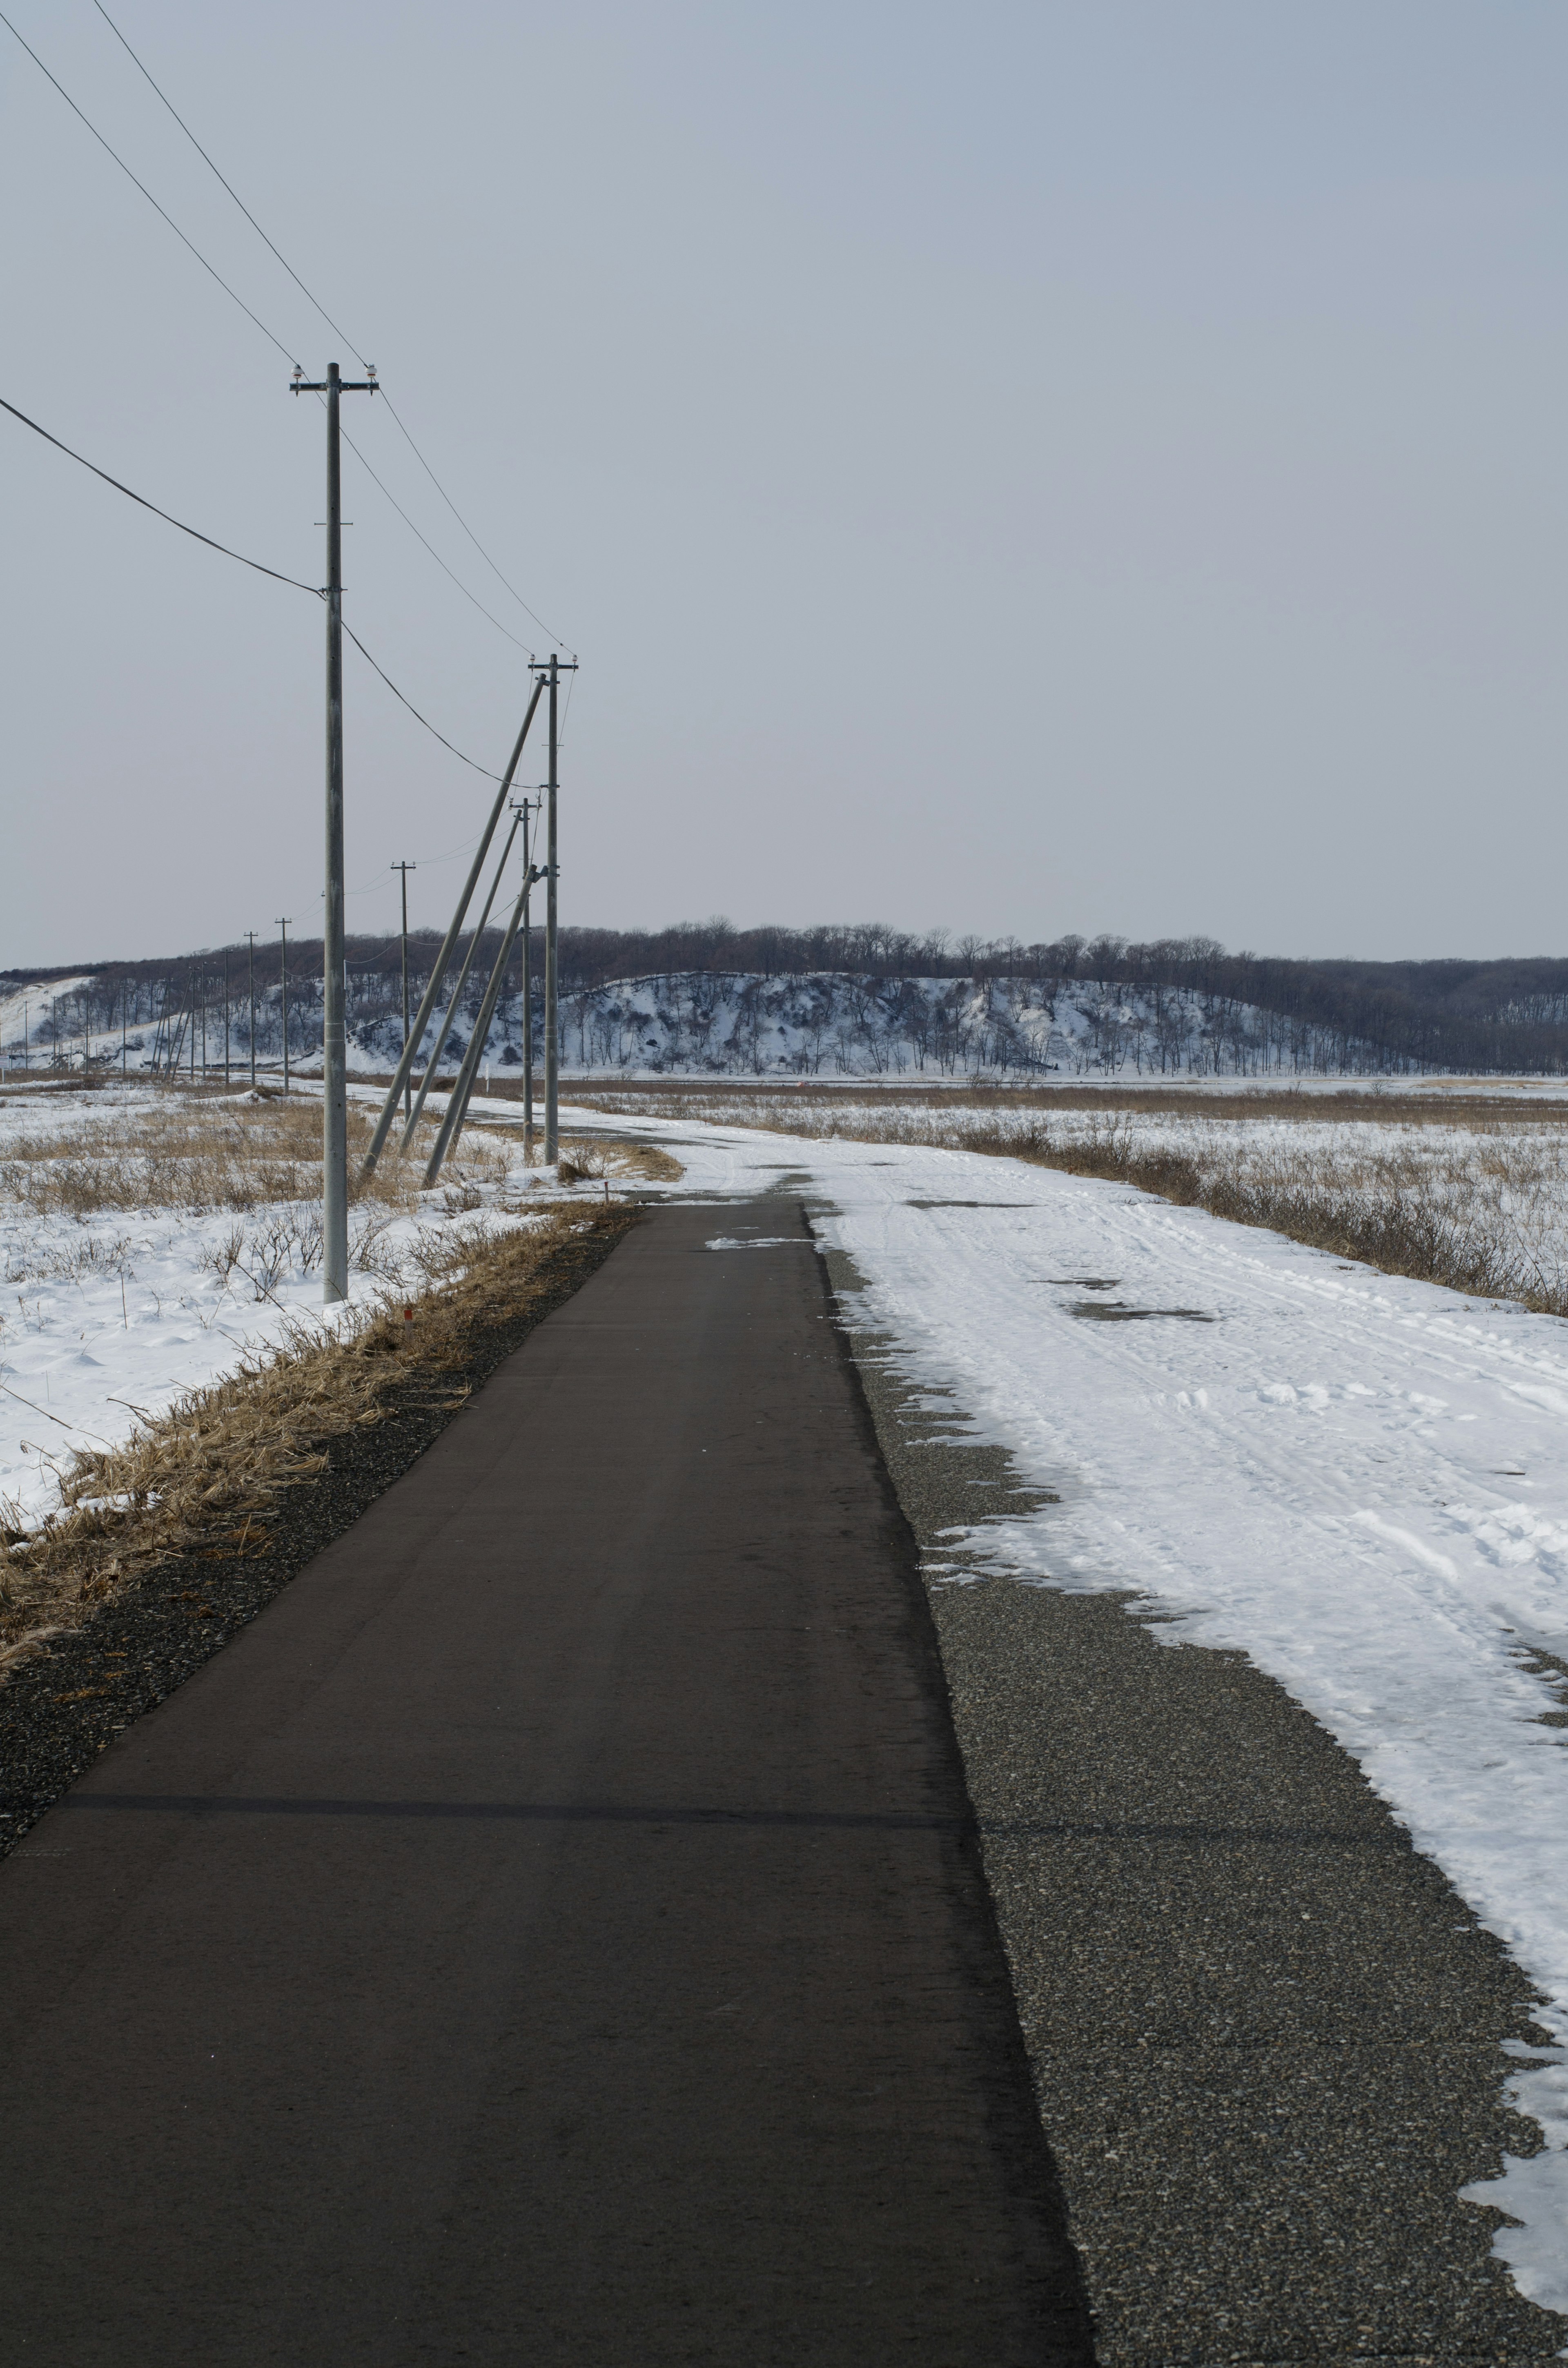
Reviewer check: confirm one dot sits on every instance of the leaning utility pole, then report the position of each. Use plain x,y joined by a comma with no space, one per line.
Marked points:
283,985
551,870
438,969
334,1076
405,868
250,960
445,1030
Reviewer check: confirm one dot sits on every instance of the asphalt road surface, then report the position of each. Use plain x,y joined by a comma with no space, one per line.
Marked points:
553,1931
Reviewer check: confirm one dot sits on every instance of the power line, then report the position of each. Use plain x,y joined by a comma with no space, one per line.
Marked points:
550,633
431,547
293,581
147,193
415,711
332,325
207,160
255,319
195,533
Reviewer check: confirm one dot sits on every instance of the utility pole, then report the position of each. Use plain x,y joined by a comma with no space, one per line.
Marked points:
334,1077
283,983
407,1083
551,870
124,997
225,1019
250,960
527,993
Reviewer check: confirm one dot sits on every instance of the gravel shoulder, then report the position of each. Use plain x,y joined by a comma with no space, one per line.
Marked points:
1265,2035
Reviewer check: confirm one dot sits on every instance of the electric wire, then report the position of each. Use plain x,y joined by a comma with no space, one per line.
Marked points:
255,319
431,547
147,193
207,160
547,629
292,581
195,533
332,325
415,711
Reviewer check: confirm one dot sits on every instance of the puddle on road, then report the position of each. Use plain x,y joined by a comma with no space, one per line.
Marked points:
1115,1310
972,1204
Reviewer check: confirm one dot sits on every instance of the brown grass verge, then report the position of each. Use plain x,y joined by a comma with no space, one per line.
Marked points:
196,1150
583,1160
204,1477
1464,1101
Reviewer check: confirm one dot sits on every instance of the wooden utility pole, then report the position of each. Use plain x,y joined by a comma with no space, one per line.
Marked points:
335,1042
408,1081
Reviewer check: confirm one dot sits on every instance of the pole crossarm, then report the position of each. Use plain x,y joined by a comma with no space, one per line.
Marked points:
438,972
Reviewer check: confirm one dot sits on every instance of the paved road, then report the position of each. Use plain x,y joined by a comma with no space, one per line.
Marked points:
552,1932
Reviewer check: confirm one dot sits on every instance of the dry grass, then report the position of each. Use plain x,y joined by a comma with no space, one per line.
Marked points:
583,1160
196,1151
205,1477
1466,1195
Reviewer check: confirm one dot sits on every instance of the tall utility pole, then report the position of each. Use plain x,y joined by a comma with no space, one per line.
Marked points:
334,1076
283,984
225,1019
250,960
124,994
527,993
552,871
408,1082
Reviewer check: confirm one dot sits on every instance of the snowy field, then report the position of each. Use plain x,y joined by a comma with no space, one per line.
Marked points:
134,1269
1361,1482
1479,1193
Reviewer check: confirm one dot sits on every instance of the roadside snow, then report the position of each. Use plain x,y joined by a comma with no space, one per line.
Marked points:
1359,1480
86,1350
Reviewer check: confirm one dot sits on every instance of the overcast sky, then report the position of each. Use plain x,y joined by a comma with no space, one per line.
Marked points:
1022,468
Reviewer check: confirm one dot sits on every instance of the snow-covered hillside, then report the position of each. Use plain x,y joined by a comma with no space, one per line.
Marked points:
829,1023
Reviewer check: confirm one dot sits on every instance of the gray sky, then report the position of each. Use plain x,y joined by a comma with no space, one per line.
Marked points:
1015,467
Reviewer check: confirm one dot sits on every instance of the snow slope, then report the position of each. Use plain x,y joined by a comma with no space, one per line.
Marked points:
1361,1482
713,1022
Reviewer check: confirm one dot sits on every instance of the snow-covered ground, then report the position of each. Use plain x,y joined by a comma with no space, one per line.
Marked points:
1361,1482
112,1317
